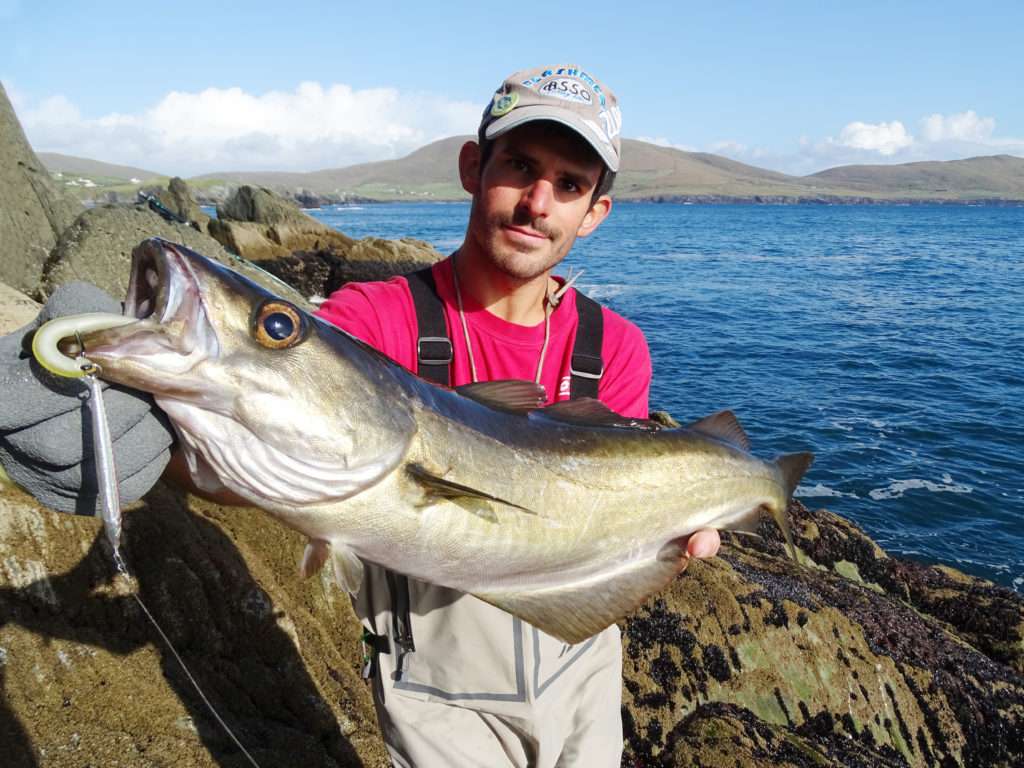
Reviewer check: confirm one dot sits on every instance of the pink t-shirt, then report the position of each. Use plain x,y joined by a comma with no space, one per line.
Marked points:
382,314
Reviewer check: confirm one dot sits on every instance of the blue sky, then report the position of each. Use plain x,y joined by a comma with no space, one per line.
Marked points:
796,86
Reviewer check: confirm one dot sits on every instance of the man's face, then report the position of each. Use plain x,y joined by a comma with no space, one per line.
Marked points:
533,198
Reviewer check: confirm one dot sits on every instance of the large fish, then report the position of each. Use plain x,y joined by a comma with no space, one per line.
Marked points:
567,516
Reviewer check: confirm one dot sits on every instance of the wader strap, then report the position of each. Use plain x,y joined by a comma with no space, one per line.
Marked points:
586,366
433,346
401,624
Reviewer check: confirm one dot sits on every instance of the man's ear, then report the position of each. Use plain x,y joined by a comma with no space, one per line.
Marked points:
469,167
598,212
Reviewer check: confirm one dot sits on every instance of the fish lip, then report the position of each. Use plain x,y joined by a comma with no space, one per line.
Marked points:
161,282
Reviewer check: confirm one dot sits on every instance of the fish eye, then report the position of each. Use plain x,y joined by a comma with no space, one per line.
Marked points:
278,325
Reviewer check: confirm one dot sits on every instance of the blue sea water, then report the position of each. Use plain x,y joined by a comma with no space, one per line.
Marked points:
889,340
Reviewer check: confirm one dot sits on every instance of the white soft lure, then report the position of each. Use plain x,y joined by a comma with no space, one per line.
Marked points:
47,352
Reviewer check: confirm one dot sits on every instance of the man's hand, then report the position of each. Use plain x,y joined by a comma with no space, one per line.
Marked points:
45,435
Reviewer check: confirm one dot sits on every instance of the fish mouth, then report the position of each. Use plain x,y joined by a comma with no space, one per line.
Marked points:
172,331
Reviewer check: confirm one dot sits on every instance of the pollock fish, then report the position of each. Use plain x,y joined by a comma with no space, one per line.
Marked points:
567,516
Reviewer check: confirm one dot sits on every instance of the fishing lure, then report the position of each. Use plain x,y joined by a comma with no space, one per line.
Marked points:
46,349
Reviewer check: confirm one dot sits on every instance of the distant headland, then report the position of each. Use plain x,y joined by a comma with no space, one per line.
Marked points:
649,173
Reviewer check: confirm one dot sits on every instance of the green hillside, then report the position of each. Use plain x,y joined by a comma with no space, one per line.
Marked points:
998,176
649,172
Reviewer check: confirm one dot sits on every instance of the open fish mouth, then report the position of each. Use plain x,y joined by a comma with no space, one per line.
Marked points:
164,290
171,332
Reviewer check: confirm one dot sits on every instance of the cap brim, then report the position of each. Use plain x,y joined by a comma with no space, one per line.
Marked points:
569,119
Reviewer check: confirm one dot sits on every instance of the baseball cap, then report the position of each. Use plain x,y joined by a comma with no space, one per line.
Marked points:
565,94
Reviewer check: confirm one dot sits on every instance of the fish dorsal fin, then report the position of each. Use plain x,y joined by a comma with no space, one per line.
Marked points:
348,569
448,489
722,426
574,612
591,412
513,395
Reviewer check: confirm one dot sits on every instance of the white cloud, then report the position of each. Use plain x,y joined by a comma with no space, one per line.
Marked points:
729,148
964,126
884,138
661,141
941,137
309,128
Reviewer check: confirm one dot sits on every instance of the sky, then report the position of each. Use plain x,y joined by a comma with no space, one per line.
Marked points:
187,88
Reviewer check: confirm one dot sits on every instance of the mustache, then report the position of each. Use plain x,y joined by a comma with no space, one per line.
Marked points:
519,218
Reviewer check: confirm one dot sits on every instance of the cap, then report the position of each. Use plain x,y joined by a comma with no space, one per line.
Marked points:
568,95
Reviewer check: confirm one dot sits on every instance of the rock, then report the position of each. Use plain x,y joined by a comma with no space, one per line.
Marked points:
33,211
16,309
720,735
178,199
261,206
86,680
257,224
808,652
320,273
97,248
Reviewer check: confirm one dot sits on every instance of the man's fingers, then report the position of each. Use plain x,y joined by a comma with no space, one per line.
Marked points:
704,543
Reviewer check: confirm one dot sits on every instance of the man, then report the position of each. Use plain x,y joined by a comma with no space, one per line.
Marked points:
457,682
465,684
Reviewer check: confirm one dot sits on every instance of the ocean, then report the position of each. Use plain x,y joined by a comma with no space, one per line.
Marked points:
888,340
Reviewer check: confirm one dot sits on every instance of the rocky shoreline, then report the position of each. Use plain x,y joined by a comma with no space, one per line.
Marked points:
847,658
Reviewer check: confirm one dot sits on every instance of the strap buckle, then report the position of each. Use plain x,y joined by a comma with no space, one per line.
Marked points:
586,361
373,646
440,354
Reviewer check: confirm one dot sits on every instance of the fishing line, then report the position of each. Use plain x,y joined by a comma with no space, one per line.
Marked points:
110,507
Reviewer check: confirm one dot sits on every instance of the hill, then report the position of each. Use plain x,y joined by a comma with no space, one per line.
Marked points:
649,172
429,172
652,172
91,169
982,177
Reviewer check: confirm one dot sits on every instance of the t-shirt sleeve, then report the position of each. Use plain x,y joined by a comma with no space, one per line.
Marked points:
378,313
626,383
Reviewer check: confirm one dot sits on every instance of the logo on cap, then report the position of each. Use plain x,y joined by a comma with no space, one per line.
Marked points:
567,88
504,103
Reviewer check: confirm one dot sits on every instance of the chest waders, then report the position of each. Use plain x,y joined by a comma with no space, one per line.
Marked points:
434,355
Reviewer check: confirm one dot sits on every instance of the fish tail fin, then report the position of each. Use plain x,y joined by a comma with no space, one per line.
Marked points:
792,466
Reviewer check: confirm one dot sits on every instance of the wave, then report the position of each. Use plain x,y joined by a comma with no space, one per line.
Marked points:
897,488
821,491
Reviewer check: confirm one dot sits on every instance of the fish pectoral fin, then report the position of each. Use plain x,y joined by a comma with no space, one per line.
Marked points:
348,568
314,557
722,426
590,412
448,489
574,612
512,395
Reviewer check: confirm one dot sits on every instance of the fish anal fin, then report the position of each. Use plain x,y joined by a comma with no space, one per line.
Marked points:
469,498
722,426
348,568
512,395
574,612
590,412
